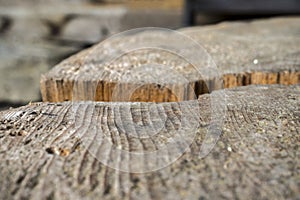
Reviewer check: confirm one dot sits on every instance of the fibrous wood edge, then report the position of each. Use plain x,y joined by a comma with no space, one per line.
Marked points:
257,156
58,90
245,53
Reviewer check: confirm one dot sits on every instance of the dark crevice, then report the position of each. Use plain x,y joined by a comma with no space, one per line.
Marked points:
4,105
5,24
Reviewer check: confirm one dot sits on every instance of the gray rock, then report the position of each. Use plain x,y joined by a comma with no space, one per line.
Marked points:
21,66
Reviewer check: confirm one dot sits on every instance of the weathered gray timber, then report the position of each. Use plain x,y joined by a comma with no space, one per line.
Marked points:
256,157
259,52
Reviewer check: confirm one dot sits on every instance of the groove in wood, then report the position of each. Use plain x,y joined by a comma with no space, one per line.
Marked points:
256,156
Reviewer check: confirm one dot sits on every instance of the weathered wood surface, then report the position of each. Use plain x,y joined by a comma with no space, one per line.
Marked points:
257,156
260,52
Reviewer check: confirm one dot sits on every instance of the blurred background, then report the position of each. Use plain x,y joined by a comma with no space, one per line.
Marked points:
37,34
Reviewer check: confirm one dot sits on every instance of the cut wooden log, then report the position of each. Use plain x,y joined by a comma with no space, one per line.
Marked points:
257,156
260,52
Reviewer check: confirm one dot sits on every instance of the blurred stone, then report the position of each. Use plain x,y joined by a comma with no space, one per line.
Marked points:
94,27
36,2
27,29
21,66
152,18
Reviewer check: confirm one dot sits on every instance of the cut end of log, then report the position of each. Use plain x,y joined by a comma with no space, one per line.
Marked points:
242,58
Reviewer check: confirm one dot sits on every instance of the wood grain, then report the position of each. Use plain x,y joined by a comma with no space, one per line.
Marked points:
257,156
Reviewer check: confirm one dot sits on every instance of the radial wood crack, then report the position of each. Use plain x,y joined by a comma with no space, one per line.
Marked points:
256,156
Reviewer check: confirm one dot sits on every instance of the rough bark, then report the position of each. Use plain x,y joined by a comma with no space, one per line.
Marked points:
256,157
260,52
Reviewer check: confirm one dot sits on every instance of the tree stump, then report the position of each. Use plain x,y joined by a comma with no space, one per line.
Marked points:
45,154
257,156
259,52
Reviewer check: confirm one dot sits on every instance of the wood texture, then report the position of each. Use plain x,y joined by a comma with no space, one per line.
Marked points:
260,52
257,156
